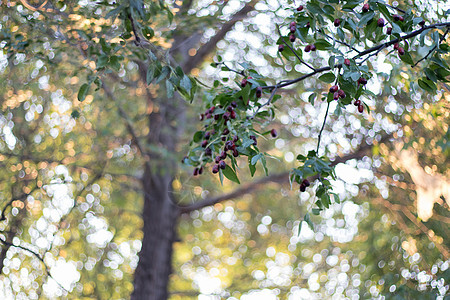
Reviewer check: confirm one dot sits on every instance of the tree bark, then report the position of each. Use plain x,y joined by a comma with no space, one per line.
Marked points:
155,259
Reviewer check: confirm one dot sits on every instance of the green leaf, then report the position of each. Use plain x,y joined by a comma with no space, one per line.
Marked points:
169,88
384,11
407,58
114,62
328,77
230,174
256,158
221,176
198,136
365,18
308,221
322,44
331,61
185,83
102,60
316,211
430,74
150,74
311,98
164,72
105,48
251,166
427,85
82,93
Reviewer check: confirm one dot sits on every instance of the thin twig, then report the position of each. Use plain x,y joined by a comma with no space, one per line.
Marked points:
230,69
133,27
338,41
38,256
396,8
293,51
321,130
432,49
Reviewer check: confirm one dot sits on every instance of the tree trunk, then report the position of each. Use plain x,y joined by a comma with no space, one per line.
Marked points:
160,214
155,259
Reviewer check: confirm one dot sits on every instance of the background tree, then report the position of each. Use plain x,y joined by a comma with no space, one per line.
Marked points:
84,169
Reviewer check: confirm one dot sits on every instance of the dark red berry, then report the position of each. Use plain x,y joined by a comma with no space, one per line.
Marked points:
292,38
222,165
292,29
313,47
280,48
401,51
204,143
233,115
225,131
380,22
308,48
207,135
336,96
302,188
293,24
389,31
337,22
235,153
223,155
362,81
273,133
258,92
305,182
208,116
334,89
244,82
396,46
360,108
254,139
235,138
234,104
226,116
217,159
347,62
396,17
217,117
341,93
357,102
195,173
365,7
300,8
208,151
229,108
200,171
215,169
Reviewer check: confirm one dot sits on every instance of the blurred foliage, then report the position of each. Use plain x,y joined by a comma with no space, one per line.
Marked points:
70,189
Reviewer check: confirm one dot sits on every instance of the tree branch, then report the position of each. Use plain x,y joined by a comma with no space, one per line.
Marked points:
431,236
361,54
209,46
124,116
37,256
279,178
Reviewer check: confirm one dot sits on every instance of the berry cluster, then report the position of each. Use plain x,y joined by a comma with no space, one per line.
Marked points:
223,138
